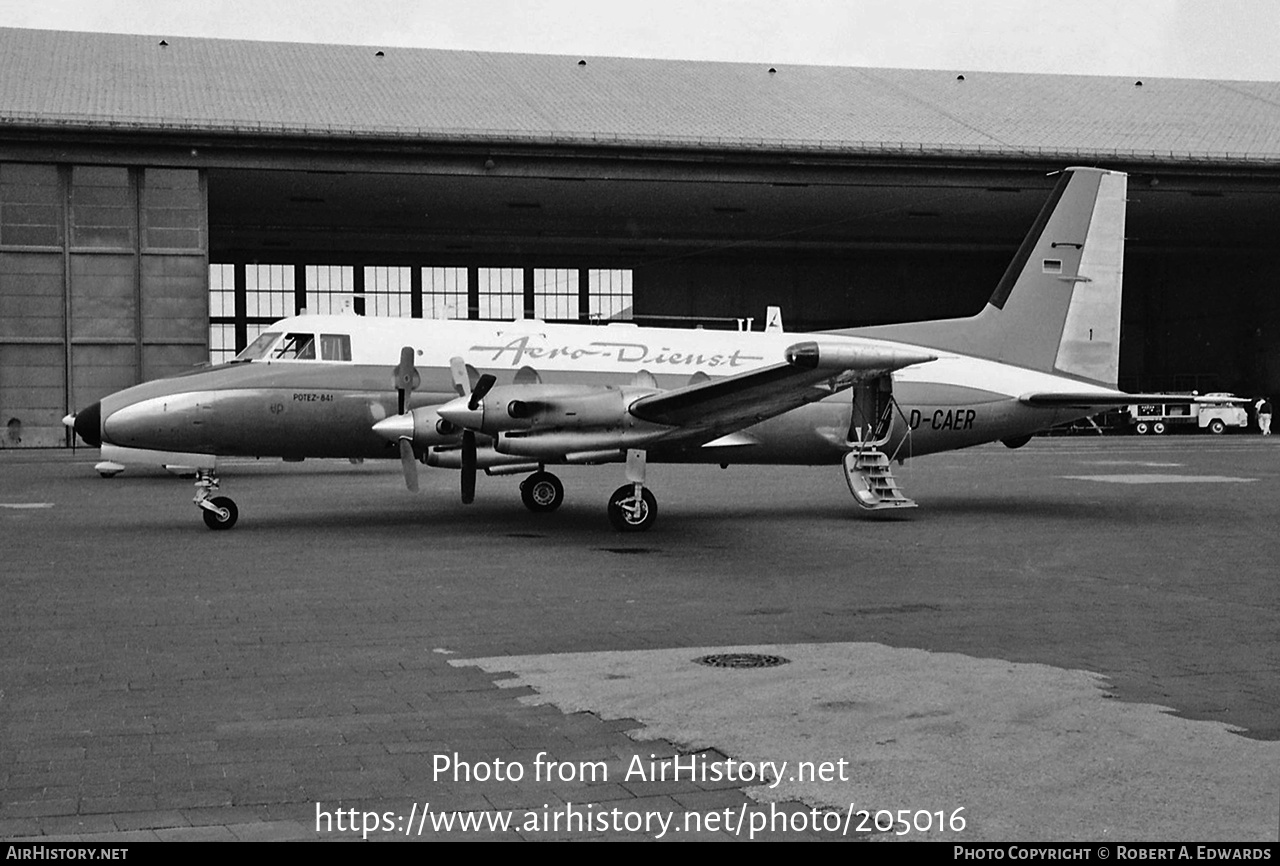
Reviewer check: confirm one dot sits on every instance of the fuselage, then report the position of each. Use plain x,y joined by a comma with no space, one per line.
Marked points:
316,388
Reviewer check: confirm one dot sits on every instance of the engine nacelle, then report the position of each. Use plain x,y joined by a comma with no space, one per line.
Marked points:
546,407
586,446
423,427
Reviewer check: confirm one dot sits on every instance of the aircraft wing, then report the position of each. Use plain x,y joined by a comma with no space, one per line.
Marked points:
812,371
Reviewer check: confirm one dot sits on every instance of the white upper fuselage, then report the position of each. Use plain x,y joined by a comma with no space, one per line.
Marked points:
326,404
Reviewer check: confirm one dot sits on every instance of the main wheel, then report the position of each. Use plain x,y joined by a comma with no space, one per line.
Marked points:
1217,426
542,492
621,513
1158,428
1141,428
224,517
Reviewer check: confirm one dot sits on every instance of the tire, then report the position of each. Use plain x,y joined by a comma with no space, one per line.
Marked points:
1217,427
1158,428
1141,428
542,492
214,520
621,517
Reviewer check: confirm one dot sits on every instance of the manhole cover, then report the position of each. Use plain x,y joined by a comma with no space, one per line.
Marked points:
742,660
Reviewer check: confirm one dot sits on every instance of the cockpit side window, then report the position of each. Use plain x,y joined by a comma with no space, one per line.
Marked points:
258,347
297,347
335,347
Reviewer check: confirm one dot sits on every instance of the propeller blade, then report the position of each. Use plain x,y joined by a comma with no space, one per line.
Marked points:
406,377
482,387
461,381
468,467
409,465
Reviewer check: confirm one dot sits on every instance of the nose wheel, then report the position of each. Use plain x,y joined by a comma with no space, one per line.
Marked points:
219,512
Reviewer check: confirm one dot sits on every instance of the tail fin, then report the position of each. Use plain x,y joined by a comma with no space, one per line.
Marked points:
1057,308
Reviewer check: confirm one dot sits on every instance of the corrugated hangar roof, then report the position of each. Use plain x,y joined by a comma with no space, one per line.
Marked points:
154,84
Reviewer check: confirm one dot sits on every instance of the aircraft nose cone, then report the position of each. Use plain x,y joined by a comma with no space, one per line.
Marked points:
88,424
395,428
458,413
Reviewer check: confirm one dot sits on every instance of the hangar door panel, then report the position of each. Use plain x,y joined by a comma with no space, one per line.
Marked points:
104,319
32,363
31,386
32,289
175,280
175,313
104,282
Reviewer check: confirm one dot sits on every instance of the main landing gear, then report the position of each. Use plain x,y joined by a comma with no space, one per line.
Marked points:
632,512
632,508
219,512
541,492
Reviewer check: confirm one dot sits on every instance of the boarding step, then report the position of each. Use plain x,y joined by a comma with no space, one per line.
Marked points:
871,481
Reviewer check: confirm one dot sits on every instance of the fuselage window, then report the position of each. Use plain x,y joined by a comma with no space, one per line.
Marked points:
258,347
335,347
297,347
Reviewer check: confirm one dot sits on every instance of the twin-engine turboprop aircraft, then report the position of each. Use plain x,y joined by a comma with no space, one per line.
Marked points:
517,397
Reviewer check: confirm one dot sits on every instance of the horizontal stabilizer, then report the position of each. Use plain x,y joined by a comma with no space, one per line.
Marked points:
1117,398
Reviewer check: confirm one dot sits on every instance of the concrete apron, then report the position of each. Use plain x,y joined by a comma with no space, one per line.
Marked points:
1031,752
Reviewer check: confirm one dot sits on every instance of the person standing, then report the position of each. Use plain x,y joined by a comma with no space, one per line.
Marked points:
1263,408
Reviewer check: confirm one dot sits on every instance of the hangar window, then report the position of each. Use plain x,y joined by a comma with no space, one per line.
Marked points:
172,209
555,294
30,206
444,293
222,343
268,291
330,288
610,294
222,312
387,291
501,293
103,212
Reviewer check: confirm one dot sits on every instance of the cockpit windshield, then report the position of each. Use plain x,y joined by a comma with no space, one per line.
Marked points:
258,347
296,347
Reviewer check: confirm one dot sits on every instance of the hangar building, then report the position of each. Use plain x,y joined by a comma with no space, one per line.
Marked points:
162,199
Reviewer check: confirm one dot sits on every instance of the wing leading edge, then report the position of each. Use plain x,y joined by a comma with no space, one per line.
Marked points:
812,370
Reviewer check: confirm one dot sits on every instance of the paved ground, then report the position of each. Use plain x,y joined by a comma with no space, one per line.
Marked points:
162,681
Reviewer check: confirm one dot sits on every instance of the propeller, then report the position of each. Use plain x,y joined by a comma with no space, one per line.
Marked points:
406,380
462,384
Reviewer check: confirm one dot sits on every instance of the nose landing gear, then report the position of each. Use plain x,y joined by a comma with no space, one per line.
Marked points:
219,512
